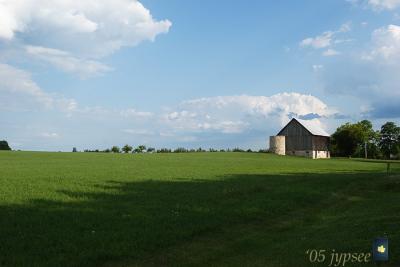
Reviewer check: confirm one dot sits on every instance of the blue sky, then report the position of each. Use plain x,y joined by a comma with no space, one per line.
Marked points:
192,73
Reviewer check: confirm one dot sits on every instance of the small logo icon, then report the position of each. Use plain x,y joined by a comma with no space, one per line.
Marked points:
380,249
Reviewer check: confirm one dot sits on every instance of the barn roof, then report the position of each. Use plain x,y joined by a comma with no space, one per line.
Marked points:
312,126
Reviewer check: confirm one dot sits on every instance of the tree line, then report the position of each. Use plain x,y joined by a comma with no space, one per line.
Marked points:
143,149
361,140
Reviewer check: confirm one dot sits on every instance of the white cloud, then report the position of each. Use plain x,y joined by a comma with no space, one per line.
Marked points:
95,27
385,45
384,4
237,114
49,135
321,41
133,113
74,35
138,132
370,75
330,52
19,92
377,5
66,62
327,40
317,68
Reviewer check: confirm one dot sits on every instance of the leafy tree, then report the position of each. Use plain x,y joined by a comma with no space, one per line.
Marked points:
180,150
127,148
4,145
346,139
151,150
164,150
350,139
390,139
74,149
140,149
115,149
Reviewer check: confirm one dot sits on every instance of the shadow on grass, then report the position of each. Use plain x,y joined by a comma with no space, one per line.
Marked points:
173,223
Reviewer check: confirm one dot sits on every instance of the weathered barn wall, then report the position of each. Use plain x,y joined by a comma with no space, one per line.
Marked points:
320,142
277,144
297,137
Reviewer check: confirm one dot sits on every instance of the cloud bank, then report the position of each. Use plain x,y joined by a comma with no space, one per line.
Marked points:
73,35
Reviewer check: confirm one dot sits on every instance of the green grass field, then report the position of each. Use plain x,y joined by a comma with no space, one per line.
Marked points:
215,209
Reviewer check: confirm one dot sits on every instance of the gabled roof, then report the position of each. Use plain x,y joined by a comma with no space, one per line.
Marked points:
310,125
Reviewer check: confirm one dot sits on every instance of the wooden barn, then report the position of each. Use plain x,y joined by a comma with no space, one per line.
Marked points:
301,138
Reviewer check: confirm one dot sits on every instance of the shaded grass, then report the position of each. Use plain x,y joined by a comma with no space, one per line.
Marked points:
220,209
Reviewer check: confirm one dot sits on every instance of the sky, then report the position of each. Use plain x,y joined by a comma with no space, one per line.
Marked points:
92,74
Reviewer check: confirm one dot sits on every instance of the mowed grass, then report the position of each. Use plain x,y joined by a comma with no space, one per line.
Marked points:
194,209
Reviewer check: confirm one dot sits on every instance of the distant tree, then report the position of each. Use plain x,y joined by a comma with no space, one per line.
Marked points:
180,150
249,150
236,149
150,149
200,150
127,148
115,149
164,150
107,150
390,139
140,149
74,149
4,145
346,139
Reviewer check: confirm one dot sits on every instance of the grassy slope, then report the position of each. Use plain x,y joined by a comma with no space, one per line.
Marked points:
232,209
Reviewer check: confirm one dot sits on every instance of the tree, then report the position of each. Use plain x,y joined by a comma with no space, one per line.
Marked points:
4,145
140,149
350,137
127,148
115,149
151,150
74,149
390,139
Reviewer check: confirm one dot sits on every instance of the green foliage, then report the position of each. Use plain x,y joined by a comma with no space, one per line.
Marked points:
115,149
150,149
140,149
220,209
390,139
4,145
180,150
164,150
350,139
127,148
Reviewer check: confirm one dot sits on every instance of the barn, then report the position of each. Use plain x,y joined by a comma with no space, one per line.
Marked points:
301,138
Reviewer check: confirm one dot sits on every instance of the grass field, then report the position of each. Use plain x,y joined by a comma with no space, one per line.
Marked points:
215,209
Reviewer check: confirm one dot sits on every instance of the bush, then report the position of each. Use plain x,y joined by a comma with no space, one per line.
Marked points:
180,150
115,149
4,145
164,150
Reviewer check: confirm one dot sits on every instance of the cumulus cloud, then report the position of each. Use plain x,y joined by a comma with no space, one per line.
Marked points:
370,74
327,40
73,35
237,114
89,26
385,45
18,91
378,4
66,62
